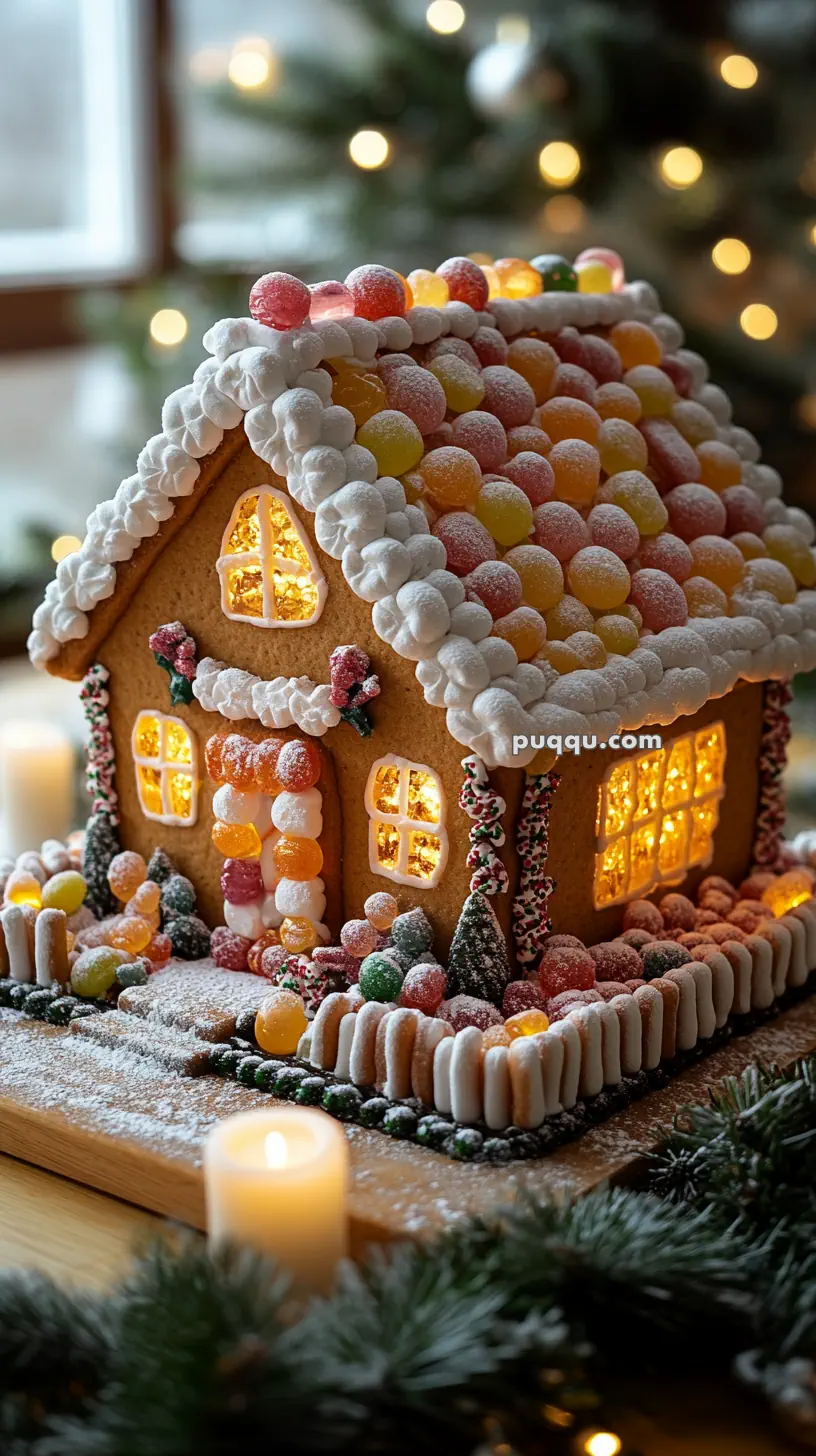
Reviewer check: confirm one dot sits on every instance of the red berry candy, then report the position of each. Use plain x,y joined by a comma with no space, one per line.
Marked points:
483,435
377,292
694,510
600,358
668,553
298,765
659,599
159,948
670,456
522,996
424,988
534,475
241,881
228,950
466,281
451,345
615,961
467,542
419,395
561,529
490,346
497,586
280,300
566,968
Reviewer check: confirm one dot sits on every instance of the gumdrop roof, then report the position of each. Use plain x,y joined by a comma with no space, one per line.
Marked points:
543,498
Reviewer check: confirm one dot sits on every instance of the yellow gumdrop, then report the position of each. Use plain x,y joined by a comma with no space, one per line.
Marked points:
589,647
751,545
506,512
364,395
394,441
297,934
617,633
236,841
653,388
463,385
719,561
636,343
530,1021
517,278
635,493
23,888
598,578
621,447
563,658
429,289
568,616
280,1022
65,891
704,598
616,401
786,544
630,611
771,576
593,277
131,933
540,573
694,421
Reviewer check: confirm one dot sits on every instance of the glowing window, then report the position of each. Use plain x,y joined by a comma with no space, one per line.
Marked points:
657,813
268,570
407,841
166,763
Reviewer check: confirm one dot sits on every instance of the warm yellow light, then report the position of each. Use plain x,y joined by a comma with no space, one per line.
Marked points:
806,411
563,214
445,16
208,65
812,234
483,259
731,255
788,891
758,321
559,163
681,166
276,1152
602,1443
168,327
739,72
250,64
513,30
369,149
63,546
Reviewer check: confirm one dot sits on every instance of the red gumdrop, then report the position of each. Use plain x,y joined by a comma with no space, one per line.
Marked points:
743,510
679,375
241,881
660,600
677,912
280,300
601,359
522,996
690,939
497,586
483,435
751,889
272,958
527,437
635,984
359,938
694,511
671,457
611,527
534,475
707,917
566,969
377,292
451,345
424,988
159,948
228,950
466,282
508,395
569,345
389,363
490,346
560,1006
419,395
439,438
608,990
718,902
556,942
462,1011
467,542
667,553
615,961
574,381
642,915
561,529
298,765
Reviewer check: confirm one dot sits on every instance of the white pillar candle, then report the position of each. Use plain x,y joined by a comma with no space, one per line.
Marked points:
278,1182
36,784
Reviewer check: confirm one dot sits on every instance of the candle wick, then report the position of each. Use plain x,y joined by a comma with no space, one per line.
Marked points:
275,1149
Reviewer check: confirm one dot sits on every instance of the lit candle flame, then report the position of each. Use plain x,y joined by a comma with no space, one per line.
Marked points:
275,1150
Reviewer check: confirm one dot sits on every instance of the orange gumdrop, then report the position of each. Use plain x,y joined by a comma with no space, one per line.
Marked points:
536,362
636,343
452,477
266,758
236,841
577,470
238,761
131,933
296,858
566,418
297,934
269,937
145,900
363,395
525,630
720,466
618,402
213,750
527,438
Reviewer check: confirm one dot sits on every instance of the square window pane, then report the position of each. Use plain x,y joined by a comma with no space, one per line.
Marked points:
387,842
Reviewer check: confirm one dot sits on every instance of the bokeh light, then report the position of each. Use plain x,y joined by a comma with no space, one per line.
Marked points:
64,546
602,1443
369,149
559,163
731,255
681,166
513,30
168,327
445,16
758,321
251,64
564,214
739,72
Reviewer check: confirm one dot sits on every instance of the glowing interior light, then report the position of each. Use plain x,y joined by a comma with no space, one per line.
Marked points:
739,72
64,546
276,1151
559,163
788,891
168,327
758,321
681,166
406,808
445,16
269,574
369,149
165,760
731,255
602,1443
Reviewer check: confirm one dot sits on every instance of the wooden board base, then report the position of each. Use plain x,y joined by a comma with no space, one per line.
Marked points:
129,1129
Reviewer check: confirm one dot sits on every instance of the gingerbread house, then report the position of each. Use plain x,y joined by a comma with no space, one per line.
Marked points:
520,510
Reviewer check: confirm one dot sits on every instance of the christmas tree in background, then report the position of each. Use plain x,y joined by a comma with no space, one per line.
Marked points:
681,134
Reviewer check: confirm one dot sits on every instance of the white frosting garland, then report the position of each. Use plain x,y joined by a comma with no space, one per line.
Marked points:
273,380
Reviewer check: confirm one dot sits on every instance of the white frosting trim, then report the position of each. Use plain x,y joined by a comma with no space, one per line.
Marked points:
273,380
284,701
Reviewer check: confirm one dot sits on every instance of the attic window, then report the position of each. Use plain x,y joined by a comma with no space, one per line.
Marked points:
657,814
166,762
269,572
407,841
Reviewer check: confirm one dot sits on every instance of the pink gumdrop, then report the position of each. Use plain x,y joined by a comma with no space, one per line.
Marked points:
451,345
615,961
611,527
575,382
566,969
424,988
279,300
419,395
561,529
228,950
679,375
390,362
490,346
694,510
359,938
533,474
377,292
660,600
462,1011
612,260
241,881
483,435
668,553
743,510
497,586
642,915
569,345
608,990
467,542
330,300
670,456
466,282
271,961
522,996
508,395
601,359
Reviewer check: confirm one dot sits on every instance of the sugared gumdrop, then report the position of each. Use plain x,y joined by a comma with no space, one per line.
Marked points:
672,460
508,395
466,282
489,346
329,300
238,761
126,872
522,996
526,631
419,395
694,510
611,527
467,542
724,886
743,510
241,881
424,988
280,301
497,586
571,381
542,580
565,418
677,912
659,600
566,968
662,956
615,961
359,937
298,765
506,512
228,950
533,474
377,292
599,579
668,553
637,938
483,435
561,529
462,1011
642,915
381,909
